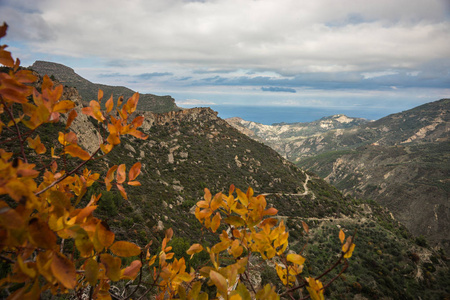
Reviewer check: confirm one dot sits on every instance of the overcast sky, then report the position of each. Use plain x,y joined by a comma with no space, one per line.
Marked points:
386,55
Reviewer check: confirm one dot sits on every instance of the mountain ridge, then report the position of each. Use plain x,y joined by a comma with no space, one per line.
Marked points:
401,161
88,90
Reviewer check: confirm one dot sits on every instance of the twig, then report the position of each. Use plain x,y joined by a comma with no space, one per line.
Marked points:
22,150
67,174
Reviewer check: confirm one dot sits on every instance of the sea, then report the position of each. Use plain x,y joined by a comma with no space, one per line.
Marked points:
278,114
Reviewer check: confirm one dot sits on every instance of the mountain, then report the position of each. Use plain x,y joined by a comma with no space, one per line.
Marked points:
88,90
400,161
192,149
288,138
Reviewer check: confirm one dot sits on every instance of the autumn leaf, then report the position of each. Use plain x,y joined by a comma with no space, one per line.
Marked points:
132,270
296,259
134,171
125,249
195,248
109,104
91,270
64,270
72,115
219,281
341,236
112,265
76,151
121,176
36,145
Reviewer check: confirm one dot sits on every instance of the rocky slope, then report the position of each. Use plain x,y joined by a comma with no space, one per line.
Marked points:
288,138
88,90
192,149
401,161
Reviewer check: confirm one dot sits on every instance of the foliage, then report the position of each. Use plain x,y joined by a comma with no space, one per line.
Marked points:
50,240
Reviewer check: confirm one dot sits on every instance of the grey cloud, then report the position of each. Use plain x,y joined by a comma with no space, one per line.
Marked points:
153,74
278,89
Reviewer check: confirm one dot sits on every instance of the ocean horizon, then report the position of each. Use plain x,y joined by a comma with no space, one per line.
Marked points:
269,115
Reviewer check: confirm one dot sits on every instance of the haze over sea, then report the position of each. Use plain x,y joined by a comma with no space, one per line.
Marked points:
277,114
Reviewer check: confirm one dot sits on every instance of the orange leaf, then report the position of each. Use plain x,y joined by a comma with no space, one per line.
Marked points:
72,115
63,106
134,183
110,177
100,95
305,227
121,176
125,249
37,145
134,171
76,151
122,191
41,235
109,104
64,270
103,237
131,271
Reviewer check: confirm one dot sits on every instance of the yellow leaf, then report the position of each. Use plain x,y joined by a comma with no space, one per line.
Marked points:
125,249
215,222
296,259
64,270
83,243
103,237
341,236
195,248
91,271
219,281
234,220
112,265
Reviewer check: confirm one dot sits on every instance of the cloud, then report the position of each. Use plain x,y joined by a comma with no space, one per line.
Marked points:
278,89
195,102
234,47
153,74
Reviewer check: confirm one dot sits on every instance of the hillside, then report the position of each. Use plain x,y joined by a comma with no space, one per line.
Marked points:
288,138
192,149
88,90
401,161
